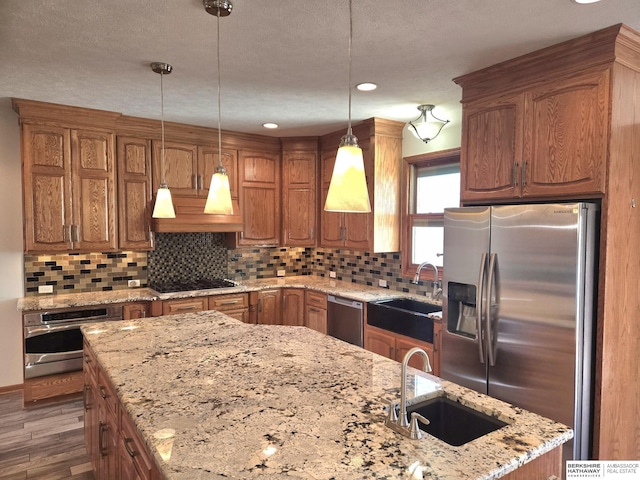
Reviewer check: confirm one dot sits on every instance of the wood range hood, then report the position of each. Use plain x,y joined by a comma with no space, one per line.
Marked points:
190,218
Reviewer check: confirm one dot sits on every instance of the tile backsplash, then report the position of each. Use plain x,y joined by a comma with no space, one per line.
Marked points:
188,256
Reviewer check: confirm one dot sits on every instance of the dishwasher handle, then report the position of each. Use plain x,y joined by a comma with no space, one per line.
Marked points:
345,301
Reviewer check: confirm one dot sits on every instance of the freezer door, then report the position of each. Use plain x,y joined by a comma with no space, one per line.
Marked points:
534,311
466,249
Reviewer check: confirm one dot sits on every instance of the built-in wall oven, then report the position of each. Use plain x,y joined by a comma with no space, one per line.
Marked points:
53,340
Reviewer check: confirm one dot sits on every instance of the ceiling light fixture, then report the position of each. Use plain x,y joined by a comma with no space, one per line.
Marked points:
219,197
164,205
270,125
366,86
348,188
584,2
427,126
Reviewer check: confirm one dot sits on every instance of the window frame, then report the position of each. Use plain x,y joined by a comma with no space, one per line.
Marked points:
410,166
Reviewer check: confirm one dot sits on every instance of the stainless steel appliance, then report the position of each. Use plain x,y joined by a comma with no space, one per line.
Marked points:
519,284
53,340
345,320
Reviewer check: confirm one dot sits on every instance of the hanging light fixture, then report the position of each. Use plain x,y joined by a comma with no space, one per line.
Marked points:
348,188
427,126
164,205
219,197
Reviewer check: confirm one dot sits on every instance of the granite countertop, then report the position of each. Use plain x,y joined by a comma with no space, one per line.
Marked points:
354,291
216,398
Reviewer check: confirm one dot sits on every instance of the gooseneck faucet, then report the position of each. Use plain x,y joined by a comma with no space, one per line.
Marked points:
437,287
402,420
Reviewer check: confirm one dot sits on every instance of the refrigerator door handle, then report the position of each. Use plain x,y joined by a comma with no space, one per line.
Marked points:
479,309
490,344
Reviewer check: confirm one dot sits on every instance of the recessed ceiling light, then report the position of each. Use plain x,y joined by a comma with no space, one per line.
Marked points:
270,125
366,86
585,1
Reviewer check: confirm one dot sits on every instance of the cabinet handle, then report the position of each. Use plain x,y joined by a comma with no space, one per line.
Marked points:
524,174
76,233
101,448
260,305
86,388
188,307
435,342
103,392
229,302
201,181
143,314
314,310
312,232
87,359
65,233
194,182
127,441
514,174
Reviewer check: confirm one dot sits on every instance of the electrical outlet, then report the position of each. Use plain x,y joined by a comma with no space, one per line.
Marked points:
133,283
280,273
45,288
382,283
332,274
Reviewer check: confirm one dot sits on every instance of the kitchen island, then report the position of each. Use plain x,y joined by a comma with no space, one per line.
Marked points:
213,398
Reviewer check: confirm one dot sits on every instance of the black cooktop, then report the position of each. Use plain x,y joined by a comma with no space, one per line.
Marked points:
201,284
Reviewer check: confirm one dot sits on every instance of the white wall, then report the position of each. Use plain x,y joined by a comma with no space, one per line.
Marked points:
11,259
449,136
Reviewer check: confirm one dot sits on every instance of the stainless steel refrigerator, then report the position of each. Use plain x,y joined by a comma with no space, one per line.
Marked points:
518,301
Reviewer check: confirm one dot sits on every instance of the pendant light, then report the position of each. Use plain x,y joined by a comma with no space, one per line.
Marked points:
348,188
164,205
427,126
219,197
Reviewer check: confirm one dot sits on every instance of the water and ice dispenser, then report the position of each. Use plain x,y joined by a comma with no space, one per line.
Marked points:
461,308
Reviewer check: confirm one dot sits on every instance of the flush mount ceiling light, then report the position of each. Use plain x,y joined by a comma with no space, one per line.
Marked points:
164,205
348,188
219,197
366,86
584,2
270,125
427,126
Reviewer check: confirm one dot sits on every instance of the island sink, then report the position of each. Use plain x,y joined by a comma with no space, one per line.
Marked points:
452,422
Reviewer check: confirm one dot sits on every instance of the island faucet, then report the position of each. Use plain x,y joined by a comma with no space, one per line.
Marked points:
437,286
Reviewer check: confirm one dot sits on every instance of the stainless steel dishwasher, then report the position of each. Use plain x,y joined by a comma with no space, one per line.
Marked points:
345,319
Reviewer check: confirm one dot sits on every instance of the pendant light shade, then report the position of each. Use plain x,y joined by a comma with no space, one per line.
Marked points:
348,188
219,197
164,205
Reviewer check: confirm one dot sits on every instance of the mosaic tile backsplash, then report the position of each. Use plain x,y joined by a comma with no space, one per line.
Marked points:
189,256
84,272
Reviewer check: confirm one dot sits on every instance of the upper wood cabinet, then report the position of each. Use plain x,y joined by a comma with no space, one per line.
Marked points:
69,189
547,140
208,162
378,231
259,181
299,204
134,193
180,167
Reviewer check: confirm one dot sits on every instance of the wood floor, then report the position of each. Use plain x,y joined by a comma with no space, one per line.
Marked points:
44,442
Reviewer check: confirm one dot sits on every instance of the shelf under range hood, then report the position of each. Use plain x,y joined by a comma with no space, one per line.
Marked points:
190,217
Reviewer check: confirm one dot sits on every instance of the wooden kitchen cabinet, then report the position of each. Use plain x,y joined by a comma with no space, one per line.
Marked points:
134,311
395,346
180,167
185,305
90,400
315,311
378,231
266,306
134,462
69,189
299,198
236,305
292,306
259,183
207,164
546,140
134,193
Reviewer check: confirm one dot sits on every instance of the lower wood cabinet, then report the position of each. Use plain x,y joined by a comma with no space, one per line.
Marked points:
134,311
133,460
234,305
185,305
315,313
292,306
395,346
265,308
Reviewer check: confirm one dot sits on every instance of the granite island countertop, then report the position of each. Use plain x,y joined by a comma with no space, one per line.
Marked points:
354,291
216,398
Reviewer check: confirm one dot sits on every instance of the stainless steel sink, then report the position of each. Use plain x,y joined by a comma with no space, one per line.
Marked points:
404,316
452,422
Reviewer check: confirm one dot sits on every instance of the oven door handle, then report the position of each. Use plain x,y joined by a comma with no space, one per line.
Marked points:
35,331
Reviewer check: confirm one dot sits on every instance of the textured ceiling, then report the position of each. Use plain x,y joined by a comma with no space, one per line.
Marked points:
283,61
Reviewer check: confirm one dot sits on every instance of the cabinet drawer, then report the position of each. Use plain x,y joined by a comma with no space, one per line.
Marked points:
316,299
229,302
186,305
134,449
106,392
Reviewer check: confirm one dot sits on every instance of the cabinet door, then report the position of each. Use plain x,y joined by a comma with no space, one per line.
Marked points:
259,198
331,223
94,191
268,308
358,227
107,443
491,153
293,306
134,193
241,314
404,344
133,311
207,164
299,199
380,342
316,318
46,153
135,462
91,419
187,305
566,135
180,167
